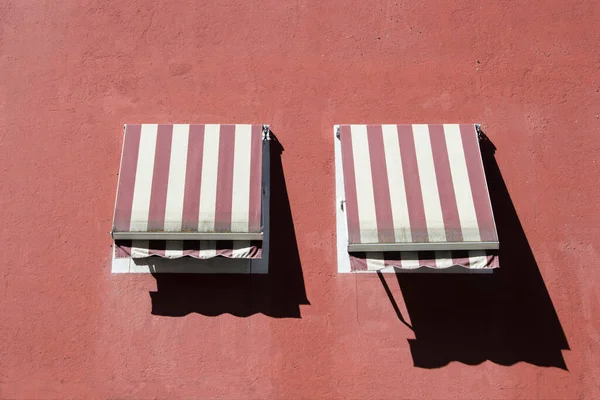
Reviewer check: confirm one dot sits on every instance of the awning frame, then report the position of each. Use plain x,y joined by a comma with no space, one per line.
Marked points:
186,236
442,246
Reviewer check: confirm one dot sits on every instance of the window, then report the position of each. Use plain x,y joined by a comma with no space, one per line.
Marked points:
193,191
412,196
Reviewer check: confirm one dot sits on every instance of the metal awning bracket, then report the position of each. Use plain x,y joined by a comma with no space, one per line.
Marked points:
478,130
266,132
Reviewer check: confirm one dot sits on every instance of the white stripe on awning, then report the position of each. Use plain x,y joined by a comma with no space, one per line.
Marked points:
176,183
208,186
429,185
143,178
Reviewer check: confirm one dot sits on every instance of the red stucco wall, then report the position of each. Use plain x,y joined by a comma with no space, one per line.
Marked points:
74,72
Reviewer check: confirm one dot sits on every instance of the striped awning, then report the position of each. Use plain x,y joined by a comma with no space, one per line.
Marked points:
190,190
416,195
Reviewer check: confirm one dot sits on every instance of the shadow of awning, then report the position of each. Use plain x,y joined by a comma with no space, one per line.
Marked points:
277,294
506,317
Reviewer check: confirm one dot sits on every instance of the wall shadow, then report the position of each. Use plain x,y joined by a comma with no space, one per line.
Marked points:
277,294
505,317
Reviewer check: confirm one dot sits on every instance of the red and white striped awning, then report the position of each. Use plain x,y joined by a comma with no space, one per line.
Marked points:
190,190
419,190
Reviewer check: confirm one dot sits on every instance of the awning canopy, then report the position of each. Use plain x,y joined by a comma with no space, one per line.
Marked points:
415,196
415,188
188,188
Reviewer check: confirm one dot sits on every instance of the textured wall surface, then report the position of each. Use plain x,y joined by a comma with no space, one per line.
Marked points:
73,72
